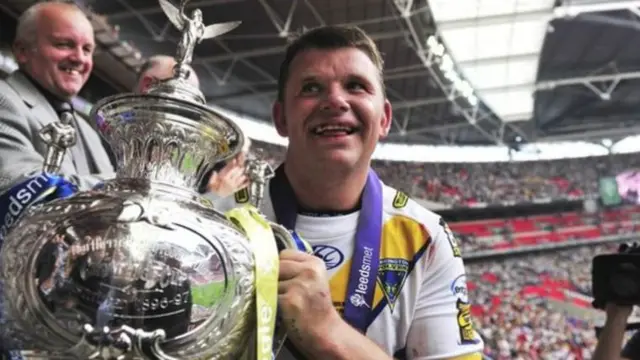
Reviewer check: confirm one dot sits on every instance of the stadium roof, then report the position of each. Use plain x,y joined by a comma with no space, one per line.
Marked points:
480,72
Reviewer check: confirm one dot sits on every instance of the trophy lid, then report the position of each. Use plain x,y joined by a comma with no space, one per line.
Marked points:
169,134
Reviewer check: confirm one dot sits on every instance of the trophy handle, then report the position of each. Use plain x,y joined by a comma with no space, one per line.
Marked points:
285,239
289,239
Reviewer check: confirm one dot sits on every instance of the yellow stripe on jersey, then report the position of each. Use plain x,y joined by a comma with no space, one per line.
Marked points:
404,240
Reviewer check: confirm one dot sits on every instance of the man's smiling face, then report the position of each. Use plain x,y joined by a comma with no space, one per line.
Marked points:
334,108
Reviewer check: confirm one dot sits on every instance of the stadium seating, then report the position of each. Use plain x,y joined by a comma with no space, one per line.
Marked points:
493,183
511,233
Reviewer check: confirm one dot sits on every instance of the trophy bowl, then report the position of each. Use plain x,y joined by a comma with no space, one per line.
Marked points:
126,271
141,266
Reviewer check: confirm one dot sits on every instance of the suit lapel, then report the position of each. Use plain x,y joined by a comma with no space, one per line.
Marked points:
41,109
88,156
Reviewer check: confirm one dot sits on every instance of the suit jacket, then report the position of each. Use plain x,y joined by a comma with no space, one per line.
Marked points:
24,111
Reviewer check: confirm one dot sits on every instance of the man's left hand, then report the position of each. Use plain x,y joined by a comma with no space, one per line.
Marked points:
305,300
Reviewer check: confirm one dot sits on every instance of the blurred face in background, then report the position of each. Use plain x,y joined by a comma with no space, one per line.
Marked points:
59,55
334,109
162,69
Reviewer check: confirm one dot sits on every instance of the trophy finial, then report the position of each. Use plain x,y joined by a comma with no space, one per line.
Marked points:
59,136
193,32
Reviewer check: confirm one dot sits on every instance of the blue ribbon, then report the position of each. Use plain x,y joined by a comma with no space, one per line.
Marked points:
301,245
34,190
366,255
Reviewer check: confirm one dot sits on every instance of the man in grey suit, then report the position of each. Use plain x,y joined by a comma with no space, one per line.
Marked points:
54,47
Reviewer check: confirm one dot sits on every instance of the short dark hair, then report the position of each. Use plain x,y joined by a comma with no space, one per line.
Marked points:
329,38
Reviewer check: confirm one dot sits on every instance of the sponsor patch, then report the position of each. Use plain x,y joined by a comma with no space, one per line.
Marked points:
451,238
392,274
465,325
242,196
459,288
400,200
331,256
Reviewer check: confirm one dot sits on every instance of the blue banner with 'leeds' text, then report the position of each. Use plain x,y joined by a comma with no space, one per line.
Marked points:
33,190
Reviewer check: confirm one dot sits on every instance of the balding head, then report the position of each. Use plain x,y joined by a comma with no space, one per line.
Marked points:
54,44
159,68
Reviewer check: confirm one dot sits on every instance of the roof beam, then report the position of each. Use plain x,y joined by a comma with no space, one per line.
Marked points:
597,134
580,80
573,9
499,60
408,104
275,50
470,113
475,22
157,9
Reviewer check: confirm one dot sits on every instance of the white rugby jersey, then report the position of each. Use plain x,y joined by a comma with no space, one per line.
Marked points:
421,305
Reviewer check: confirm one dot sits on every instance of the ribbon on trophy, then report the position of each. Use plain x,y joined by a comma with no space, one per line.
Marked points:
265,250
33,190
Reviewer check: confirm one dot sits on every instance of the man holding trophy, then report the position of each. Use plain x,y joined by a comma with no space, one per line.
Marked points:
398,262
387,279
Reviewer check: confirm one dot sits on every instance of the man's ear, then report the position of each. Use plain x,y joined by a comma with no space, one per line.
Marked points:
385,121
20,52
279,120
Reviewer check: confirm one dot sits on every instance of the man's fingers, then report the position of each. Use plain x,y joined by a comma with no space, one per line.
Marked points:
295,255
289,269
285,285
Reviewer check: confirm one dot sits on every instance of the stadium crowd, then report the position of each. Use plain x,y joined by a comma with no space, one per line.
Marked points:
522,312
551,228
461,184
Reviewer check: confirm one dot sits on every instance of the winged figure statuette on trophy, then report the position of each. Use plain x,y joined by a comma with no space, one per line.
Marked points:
193,32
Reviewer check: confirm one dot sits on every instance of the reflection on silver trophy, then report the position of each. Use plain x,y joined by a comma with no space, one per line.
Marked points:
141,267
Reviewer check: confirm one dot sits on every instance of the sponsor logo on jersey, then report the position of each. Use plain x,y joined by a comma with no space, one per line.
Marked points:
242,196
465,325
451,238
357,299
400,200
392,274
459,288
331,256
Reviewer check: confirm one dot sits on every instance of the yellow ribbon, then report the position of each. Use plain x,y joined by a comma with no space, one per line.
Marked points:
265,252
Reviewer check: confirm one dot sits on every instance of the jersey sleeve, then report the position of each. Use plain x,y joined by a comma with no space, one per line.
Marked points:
441,327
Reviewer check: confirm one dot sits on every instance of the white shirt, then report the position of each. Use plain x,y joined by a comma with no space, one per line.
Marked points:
421,303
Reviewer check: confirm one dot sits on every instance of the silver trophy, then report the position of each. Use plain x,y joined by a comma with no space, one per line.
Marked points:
140,267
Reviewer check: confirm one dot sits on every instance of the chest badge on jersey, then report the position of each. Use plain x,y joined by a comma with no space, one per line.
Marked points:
331,255
392,274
